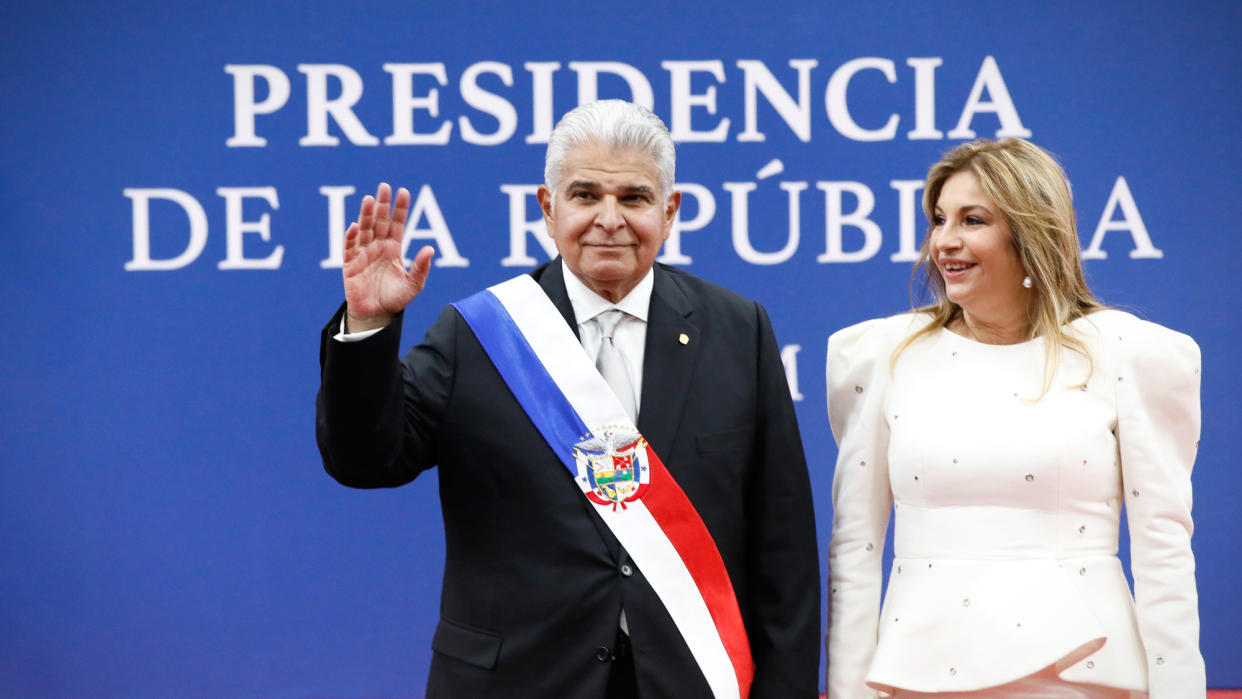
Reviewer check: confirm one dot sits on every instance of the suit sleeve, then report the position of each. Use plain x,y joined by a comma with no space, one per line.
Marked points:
1158,435
377,418
857,375
784,557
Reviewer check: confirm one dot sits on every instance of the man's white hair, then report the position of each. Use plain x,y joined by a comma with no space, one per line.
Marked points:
613,124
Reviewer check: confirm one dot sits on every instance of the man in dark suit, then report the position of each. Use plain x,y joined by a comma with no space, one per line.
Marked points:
539,598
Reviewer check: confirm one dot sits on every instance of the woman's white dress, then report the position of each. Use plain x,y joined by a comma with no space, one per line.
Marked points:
1007,510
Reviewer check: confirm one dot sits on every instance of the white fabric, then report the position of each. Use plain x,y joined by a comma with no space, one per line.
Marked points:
1007,510
346,336
1042,685
567,364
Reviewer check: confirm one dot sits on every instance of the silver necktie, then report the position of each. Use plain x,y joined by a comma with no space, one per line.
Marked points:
610,363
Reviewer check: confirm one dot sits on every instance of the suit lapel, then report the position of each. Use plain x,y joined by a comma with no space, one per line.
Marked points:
668,362
551,278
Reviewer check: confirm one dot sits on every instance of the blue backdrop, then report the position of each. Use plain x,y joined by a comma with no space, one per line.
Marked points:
175,178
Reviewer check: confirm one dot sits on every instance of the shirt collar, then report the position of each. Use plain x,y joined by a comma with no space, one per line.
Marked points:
587,304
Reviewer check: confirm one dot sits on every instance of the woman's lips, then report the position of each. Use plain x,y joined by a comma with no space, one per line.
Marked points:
956,269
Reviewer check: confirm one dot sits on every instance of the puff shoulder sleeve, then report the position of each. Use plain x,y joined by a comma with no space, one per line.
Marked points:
1157,379
857,375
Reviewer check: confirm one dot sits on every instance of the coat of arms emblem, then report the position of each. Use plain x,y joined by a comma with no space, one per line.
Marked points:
613,465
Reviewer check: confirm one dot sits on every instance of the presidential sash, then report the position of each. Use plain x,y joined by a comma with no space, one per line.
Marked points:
575,410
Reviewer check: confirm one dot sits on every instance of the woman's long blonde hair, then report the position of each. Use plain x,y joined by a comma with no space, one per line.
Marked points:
1033,194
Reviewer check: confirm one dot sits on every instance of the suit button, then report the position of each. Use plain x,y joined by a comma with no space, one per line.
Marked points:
602,654
626,570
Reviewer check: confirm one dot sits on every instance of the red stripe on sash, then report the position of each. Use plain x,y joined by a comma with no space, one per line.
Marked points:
675,514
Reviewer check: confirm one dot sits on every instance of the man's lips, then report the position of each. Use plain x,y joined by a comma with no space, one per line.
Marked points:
610,246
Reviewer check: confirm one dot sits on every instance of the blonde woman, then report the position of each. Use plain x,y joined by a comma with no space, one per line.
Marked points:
1007,425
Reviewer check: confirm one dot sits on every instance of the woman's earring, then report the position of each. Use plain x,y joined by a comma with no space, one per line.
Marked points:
1027,283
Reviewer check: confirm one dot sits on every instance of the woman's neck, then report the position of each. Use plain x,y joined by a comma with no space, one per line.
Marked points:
998,331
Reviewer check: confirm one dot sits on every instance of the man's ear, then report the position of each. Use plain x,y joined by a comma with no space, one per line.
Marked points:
545,202
670,212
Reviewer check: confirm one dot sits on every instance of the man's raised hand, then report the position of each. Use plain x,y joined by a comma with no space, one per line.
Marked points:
377,285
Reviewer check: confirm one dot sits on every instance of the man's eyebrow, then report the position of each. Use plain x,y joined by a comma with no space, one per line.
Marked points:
628,189
638,189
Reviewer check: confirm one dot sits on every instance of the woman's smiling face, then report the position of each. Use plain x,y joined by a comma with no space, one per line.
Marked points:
974,251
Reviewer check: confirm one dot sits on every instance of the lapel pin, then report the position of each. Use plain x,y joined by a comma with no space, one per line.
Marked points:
683,339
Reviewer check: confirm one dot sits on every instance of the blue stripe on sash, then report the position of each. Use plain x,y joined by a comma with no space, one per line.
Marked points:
525,375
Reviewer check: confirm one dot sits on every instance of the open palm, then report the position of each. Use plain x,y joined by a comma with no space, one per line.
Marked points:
377,285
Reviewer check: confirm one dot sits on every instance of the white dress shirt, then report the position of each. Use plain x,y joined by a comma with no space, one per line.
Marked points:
630,336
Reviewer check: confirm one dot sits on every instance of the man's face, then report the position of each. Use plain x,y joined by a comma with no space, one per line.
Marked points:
608,217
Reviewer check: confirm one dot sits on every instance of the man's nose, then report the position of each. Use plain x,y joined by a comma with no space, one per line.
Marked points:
609,215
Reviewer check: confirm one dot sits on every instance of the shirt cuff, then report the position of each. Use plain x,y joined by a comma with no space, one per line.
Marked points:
345,336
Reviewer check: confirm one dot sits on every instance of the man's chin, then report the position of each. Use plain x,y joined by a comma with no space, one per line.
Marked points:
614,277
609,267
609,252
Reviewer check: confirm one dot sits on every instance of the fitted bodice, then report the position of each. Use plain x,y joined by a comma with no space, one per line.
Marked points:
1007,502
984,470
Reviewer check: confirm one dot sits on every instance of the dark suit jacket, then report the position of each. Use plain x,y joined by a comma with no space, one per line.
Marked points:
533,579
